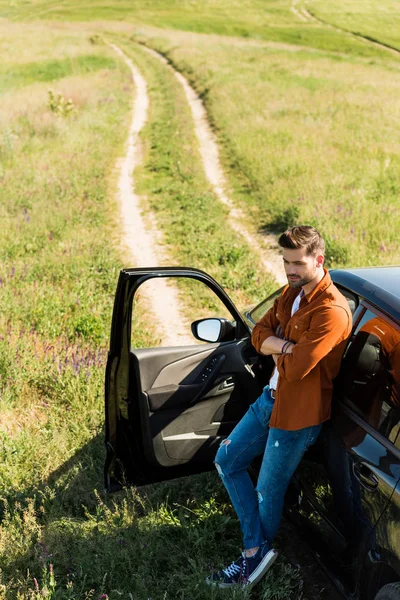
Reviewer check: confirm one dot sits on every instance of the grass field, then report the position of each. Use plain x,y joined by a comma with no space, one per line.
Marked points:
307,120
306,137
376,21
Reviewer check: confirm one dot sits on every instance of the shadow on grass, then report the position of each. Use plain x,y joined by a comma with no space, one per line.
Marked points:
157,542
70,485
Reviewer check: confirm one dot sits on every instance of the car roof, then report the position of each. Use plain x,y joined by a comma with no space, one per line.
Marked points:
378,285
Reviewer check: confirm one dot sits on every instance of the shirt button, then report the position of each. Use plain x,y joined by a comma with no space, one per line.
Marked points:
295,327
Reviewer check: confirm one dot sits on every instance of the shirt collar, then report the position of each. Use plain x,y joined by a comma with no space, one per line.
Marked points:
320,287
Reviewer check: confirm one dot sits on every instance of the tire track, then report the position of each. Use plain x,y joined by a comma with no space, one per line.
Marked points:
138,236
260,244
353,34
299,13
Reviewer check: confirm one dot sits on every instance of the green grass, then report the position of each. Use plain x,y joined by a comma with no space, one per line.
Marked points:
258,19
306,137
379,21
14,76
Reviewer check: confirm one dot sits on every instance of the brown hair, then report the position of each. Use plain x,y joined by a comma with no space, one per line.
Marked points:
303,236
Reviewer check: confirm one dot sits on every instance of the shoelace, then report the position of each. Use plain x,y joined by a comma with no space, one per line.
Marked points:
232,570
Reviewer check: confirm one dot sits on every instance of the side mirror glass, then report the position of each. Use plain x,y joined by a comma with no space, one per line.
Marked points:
207,330
214,330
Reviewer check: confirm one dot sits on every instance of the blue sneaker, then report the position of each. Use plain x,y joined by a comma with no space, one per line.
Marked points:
229,576
255,567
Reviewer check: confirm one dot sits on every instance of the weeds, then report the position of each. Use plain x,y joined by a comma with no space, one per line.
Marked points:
60,105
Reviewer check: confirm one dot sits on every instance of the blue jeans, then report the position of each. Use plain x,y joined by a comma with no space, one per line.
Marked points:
260,509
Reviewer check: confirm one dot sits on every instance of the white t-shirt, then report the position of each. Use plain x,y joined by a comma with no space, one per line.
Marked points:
273,382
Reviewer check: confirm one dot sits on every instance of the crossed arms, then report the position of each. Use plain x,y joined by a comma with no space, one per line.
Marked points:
328,327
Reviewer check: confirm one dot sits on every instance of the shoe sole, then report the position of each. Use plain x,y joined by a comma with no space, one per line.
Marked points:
262,568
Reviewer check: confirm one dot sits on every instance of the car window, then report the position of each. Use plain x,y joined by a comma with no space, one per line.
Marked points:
369,379
195,301
351,298
259,311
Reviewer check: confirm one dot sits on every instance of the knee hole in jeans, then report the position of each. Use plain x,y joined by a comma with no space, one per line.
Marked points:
226,444
220,458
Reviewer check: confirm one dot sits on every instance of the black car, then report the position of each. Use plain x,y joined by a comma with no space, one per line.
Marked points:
168,408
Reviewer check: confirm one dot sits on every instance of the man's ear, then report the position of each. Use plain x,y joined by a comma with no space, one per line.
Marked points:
320,260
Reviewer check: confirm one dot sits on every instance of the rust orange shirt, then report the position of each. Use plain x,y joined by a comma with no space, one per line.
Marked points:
319,329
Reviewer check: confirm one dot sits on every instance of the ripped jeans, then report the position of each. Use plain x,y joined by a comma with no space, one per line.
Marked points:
260,509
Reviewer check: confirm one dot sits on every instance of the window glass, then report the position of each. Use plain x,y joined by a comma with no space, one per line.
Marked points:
259,311
352,299
165,307
370,375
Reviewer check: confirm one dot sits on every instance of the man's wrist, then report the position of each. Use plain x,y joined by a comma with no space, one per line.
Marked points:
286,348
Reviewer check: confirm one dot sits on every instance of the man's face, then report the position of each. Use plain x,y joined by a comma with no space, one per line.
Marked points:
300,267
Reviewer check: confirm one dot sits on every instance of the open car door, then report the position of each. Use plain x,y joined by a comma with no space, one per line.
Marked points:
168,408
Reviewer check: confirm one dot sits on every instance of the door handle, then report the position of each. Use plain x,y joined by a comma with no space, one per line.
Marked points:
227,384
365,476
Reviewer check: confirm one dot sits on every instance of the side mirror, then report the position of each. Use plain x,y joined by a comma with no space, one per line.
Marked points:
213,330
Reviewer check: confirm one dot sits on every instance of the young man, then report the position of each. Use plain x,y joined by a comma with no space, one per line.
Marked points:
305,332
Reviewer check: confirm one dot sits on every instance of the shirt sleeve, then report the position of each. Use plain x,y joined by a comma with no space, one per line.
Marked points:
266,327
328,328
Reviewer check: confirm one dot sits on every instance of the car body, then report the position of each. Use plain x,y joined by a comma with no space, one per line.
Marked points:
168,409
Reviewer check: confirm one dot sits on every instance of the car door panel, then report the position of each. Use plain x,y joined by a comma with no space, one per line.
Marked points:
195,400
161,366
168,408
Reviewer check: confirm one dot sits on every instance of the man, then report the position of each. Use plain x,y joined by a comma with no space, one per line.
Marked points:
305,332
